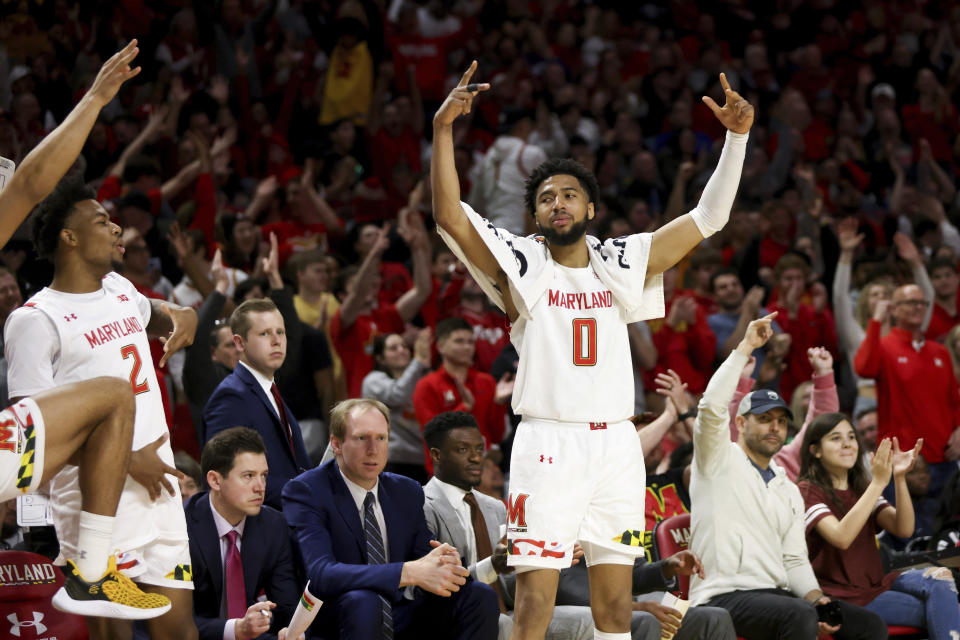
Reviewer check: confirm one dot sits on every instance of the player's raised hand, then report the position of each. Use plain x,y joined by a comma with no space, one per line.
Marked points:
460,100
184,329
736,114
114,73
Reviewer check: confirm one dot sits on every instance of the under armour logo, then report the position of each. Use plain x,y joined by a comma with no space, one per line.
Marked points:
38,626
549,460
69,317
123,298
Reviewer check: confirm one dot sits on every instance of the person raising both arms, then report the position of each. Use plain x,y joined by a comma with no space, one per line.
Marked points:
576,460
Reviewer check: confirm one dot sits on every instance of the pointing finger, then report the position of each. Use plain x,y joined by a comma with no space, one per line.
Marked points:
725,84
468,74
707,100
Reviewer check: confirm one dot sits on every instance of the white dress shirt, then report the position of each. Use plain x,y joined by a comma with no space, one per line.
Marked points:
265,383
359,494
223,528
454,495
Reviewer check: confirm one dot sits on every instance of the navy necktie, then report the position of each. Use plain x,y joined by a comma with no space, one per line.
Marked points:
377,555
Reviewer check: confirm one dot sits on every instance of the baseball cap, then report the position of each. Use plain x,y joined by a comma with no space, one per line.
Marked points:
762,401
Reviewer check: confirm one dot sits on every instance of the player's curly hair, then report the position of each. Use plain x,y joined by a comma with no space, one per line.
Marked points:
555,167
435,432
50,216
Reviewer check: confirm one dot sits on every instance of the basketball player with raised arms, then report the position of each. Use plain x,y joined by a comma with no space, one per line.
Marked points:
88,423
577,468
92,322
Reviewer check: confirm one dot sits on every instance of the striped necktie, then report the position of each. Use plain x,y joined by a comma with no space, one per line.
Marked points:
377,555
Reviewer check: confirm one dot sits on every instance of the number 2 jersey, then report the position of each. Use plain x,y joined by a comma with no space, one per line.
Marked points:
57,338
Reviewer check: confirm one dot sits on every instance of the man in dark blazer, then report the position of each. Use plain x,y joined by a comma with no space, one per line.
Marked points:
366,546
249,396
235,467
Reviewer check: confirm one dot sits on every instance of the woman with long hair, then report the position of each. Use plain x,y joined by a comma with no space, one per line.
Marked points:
392,381
845,509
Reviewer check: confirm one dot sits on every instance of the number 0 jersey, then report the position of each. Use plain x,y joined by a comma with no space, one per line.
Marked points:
57,338
574,352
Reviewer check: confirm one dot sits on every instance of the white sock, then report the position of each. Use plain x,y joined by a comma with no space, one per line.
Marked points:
603,635
93,544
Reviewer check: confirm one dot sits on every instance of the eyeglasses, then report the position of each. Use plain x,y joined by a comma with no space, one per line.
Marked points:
915,303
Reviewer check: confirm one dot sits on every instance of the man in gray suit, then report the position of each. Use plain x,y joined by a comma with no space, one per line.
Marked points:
476,523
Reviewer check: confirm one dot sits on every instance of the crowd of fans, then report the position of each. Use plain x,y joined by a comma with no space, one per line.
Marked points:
278,148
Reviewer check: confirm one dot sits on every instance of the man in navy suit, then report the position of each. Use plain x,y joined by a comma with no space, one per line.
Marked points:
366,546
249,396
233,535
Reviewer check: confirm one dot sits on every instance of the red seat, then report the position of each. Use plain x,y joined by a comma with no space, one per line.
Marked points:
27,584
671,535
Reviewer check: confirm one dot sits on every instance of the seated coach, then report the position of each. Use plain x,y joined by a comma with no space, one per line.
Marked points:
366,548
239,547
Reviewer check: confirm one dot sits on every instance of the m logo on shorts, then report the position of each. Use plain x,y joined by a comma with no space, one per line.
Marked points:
7,433
517,511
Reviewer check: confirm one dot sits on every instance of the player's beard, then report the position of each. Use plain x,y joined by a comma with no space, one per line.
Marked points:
565,238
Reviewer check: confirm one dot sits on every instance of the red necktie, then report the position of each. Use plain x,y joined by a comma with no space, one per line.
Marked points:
283,417
236,590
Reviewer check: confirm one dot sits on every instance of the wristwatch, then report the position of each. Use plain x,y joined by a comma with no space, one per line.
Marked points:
689,413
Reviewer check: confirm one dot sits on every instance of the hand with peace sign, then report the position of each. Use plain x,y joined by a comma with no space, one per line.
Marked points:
736,113
460,99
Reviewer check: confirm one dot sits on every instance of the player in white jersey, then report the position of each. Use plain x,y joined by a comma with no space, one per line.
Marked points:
88,423
576,466
90,322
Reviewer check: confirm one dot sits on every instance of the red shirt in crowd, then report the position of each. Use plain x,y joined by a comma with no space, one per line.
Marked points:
687,349
854,574
917,393
443,301
809,329
437,393
941,322
395,281
491,333
293,236
111,188
355,343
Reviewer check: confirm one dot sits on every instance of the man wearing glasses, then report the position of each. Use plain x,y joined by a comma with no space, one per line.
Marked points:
917,393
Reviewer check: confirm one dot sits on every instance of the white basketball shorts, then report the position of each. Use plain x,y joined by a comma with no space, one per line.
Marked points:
149,536
21,449
574,482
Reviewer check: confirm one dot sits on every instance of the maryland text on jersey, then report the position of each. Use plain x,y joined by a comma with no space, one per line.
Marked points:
113,331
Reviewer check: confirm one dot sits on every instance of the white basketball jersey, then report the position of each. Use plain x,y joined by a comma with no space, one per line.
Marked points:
575,361
104,334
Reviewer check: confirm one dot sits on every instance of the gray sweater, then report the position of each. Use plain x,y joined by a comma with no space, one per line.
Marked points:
406,437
